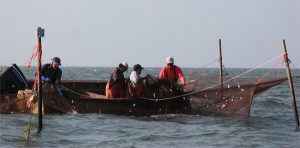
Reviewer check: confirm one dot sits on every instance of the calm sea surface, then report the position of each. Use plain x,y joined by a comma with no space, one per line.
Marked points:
271,123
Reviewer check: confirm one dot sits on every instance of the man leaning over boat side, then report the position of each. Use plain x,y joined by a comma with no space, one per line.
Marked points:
116,81
172,72
52,73
136,80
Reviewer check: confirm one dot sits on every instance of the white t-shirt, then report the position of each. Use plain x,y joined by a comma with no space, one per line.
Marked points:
134,78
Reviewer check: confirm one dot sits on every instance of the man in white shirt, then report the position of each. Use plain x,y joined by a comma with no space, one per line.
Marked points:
136,79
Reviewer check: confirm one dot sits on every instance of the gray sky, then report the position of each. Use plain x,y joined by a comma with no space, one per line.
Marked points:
105,33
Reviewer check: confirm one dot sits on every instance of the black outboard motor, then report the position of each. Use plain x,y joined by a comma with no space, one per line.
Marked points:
12,79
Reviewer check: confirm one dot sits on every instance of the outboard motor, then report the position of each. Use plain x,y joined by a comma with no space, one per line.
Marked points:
12,79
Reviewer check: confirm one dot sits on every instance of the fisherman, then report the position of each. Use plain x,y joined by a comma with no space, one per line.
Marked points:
116,81
172,72
51,73
136,79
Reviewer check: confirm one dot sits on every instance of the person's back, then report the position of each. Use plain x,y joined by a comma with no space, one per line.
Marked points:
116,81
115,77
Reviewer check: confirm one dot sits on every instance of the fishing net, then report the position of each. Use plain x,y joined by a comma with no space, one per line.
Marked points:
203,94
233,99
206,94
26,101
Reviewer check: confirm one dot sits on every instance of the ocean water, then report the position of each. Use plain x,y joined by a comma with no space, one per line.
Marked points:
271,123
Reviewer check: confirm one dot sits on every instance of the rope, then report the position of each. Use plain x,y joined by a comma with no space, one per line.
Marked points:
38,52
27,129
217,59
267,73
195,72
279,71
226,73
82,95
191,93
35,52
292,65
284,57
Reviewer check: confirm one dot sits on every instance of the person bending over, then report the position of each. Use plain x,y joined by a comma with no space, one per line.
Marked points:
116,81
51,73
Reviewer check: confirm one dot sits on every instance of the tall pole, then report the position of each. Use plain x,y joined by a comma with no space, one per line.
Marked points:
288,71
221,68
40,34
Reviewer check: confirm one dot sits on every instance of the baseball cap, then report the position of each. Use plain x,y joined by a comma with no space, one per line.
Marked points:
56,60
125,64
170,60
137,66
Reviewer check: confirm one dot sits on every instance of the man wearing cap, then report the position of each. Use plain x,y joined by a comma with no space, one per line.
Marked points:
116,81
172,72
52,73
136,79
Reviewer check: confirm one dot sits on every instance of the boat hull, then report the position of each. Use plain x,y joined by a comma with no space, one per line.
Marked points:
87,96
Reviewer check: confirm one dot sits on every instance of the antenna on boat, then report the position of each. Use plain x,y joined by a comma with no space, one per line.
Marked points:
287,61
40,34
221,69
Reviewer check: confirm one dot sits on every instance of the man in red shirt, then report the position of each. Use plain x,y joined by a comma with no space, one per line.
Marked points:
172,72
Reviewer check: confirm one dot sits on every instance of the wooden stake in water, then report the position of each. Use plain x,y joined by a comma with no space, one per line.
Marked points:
40,34
288,71
221,68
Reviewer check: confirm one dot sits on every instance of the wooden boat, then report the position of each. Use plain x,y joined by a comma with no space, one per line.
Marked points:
159,97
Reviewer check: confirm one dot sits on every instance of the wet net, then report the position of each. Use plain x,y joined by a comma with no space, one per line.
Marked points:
203,94
208,96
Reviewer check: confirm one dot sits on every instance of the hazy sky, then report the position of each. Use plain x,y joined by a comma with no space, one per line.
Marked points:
106,32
